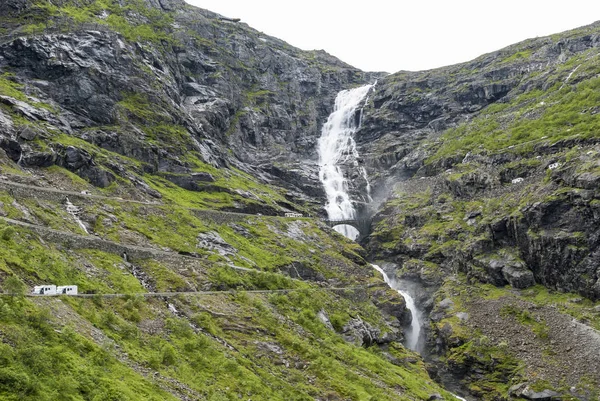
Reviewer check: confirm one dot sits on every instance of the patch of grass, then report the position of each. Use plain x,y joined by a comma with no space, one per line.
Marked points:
563,114
539,328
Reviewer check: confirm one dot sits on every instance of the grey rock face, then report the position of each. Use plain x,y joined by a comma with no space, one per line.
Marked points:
213,242
301,271
11,147
392,304
518,276
361,333
504,268
256,101
191,182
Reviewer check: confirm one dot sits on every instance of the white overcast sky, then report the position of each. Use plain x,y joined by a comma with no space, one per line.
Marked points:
388,35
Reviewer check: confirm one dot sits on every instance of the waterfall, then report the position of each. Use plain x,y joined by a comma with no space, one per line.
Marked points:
74,211
414,331
336,147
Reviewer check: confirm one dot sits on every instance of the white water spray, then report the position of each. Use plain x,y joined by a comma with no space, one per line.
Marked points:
414,331
74,211
336,147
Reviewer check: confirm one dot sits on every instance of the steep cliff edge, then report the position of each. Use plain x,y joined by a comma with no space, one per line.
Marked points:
494,165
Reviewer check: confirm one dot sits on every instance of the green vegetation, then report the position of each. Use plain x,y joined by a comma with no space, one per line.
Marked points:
562,111
539,328
95,349
135,20
216,347
8,87
40,360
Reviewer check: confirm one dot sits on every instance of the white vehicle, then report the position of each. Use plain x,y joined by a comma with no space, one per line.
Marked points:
44,289
517,180
66,290
289,214
50,289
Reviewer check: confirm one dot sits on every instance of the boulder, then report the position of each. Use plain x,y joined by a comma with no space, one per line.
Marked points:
11,147
518,276
39,159
361,333
545,395
28,134
503,268
76,158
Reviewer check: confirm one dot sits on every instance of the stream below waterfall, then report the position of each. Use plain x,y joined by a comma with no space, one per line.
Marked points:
413,334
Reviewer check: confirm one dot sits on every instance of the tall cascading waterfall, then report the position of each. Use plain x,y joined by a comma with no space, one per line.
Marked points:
336,147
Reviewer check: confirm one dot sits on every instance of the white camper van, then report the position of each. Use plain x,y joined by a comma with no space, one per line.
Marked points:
66,290
44,289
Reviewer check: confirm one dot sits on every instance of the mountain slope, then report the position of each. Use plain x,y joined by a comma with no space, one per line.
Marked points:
147,152
148,149
494,169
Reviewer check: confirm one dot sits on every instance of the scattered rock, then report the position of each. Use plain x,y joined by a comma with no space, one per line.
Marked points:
517,390
302,271
323,317
462,316
446,303
546,395
243,231
213,242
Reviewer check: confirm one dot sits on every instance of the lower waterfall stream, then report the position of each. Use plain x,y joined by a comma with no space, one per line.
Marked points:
413,335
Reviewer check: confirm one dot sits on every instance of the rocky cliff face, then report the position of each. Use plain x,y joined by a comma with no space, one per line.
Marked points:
493,165
125,78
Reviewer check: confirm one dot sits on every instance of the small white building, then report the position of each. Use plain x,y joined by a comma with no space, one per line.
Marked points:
48,289
554,166
66,290
517,180
290,214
